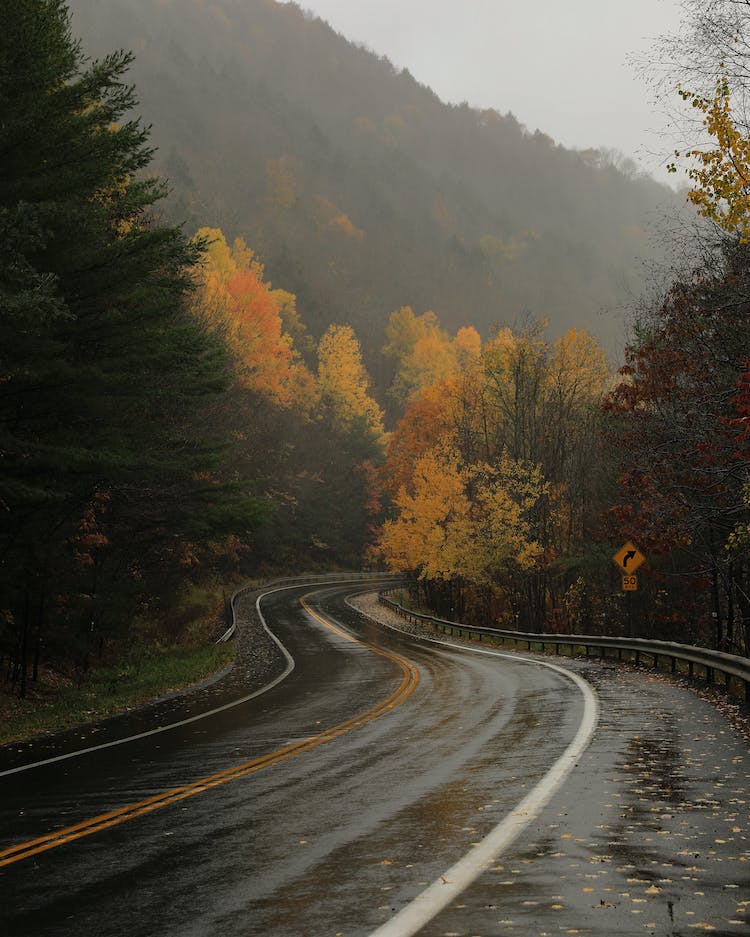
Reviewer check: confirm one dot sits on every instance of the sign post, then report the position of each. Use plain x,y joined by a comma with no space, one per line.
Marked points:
629,558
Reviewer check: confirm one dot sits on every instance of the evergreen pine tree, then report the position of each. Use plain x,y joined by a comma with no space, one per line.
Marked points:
102,372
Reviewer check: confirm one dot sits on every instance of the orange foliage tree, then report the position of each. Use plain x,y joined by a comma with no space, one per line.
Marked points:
522,411
234,299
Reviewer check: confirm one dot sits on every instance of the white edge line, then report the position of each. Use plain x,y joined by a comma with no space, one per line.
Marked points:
445,889
182,722
209,712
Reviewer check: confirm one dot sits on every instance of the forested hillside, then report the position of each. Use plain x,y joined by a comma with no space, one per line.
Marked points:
361,191
184,406
166,423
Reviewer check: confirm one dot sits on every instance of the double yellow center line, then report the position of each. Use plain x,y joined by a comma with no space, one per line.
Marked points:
409,681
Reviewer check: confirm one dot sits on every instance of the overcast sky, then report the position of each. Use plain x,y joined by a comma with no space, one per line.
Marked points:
559,65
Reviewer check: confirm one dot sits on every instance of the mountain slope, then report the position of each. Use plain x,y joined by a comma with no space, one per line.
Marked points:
360,190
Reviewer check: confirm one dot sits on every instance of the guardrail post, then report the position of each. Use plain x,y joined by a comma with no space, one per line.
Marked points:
710,663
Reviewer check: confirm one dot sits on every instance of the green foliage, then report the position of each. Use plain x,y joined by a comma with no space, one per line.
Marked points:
103,375
136,679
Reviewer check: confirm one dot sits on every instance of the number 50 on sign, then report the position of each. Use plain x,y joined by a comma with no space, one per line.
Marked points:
629,583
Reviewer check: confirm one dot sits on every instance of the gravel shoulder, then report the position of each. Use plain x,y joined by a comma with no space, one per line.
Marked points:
257,662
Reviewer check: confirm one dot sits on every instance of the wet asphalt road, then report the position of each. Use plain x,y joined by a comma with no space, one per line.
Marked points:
648,836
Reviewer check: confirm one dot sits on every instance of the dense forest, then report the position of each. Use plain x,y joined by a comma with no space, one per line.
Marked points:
163,414
361,191
173,419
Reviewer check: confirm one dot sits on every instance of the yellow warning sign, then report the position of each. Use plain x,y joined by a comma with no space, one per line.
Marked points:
629,558
629,583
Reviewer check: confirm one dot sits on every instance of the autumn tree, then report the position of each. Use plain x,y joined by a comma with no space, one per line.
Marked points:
463,525
417,539
515,368
343,383
708,63
425,421
496,545
424,353
683,467
524,402
720,173
348,445
254,320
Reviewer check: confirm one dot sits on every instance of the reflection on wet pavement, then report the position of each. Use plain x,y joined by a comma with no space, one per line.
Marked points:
651,837
648,836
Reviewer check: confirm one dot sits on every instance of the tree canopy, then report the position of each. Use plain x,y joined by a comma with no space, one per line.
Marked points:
102,374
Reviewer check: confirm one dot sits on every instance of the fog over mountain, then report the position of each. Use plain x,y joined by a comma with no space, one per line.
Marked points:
360,190
537,60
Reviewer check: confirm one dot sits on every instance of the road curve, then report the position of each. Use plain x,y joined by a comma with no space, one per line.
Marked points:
337,838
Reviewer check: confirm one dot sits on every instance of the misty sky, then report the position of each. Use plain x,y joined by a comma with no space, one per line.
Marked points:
558,65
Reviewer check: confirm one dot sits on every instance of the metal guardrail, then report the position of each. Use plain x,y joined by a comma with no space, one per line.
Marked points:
708,662
301,580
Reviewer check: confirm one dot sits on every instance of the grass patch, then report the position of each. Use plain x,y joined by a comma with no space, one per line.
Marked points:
56,702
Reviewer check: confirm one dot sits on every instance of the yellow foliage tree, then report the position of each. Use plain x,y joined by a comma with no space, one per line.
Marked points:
578,370
418,538
496,537
468,345
343,382
465,523
514,368
721,178
425,353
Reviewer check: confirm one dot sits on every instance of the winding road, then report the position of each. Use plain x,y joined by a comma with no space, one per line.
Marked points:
388,786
